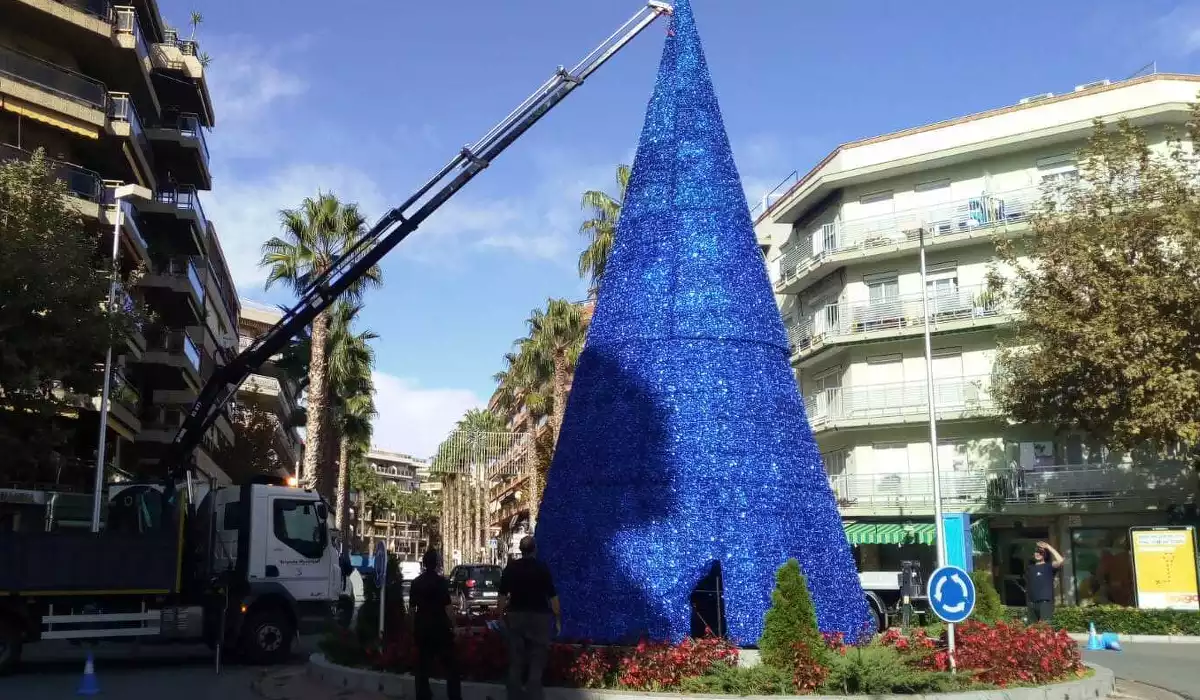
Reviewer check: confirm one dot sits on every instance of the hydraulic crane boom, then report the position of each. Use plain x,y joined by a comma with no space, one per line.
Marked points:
394,227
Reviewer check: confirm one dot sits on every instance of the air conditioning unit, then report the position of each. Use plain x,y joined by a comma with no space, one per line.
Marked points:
1036,98
1093,84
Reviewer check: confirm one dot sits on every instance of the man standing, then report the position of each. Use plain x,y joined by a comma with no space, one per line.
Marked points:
433,628
1039,583
527,602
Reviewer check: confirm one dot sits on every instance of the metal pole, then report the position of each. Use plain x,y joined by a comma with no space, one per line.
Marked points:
939,525
98,487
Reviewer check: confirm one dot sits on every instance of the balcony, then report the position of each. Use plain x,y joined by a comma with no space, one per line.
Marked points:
901,402
137,65
135,160
49,93
85,186
877,238
136,340
175,291
955,309
182,81
1049,487
135,242
180,214
183,149
174,349
270,387
124,402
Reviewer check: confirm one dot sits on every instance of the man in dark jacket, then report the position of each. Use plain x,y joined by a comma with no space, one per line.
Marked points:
1039,583
528,603
433,627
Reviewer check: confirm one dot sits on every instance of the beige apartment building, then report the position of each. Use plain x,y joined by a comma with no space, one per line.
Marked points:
842,244
270,388
394,529
119,102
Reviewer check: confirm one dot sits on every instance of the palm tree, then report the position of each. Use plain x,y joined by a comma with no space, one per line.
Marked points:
601,229
477,438
527,384
314,236
195,20
554,342
352,402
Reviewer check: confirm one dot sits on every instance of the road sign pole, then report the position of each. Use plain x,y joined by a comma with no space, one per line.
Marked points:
381,567
955,607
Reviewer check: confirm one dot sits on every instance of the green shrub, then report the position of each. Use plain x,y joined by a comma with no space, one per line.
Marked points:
1114,618
878,670
987,599
791,619
740,680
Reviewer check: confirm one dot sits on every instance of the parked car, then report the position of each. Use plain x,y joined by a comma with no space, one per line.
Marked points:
475,586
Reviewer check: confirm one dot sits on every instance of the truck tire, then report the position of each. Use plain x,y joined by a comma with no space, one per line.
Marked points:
267,637
10,646
876,618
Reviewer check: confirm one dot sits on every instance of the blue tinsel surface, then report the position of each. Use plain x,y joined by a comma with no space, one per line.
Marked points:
685,440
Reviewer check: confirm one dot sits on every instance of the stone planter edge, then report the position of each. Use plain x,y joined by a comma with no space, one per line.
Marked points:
393,685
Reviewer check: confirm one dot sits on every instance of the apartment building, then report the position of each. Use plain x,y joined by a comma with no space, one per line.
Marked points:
119,102
842,246
398,533
270,388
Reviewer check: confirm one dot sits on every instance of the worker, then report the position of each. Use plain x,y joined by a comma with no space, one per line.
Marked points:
433,627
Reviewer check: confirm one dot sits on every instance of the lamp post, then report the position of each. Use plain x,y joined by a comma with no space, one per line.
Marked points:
119,195
939,526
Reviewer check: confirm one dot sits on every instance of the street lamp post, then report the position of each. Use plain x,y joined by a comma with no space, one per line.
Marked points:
119,195
939,525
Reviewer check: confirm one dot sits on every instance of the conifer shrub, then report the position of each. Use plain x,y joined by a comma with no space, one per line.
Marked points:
791,620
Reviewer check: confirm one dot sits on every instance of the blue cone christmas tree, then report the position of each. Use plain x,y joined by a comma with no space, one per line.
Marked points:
685,441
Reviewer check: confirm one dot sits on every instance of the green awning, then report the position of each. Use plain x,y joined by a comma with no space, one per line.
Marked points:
890,533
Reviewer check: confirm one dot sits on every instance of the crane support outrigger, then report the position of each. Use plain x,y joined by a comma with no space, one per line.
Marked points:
388,232
242,567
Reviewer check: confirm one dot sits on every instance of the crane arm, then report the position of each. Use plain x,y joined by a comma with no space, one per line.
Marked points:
386,234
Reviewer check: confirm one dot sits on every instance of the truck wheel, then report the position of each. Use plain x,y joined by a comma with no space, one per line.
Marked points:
876,619
10,646
267,637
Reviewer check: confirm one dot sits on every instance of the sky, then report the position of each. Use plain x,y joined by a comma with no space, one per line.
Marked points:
368,98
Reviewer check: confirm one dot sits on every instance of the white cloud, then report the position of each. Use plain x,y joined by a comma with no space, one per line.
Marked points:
1179,30
246,212
247,84
413,419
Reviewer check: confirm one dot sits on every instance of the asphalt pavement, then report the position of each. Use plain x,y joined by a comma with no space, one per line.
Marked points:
1175,667
53,670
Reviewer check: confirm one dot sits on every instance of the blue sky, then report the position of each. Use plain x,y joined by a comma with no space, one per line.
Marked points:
367,99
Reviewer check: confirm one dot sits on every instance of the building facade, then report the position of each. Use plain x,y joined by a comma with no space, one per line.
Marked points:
842,246
120,104
399,534
270,388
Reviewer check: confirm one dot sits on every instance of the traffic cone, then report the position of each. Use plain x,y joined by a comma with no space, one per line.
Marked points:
1110,641
89,685
1093,642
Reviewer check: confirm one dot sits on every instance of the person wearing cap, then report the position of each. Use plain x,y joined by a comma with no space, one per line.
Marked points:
1039,583
433,627
529,606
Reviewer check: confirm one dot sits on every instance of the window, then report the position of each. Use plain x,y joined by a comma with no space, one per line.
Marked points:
297,524
1057,170
941,279
891,458
882,288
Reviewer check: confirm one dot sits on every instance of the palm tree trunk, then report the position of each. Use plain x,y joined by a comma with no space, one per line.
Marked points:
340,492
316,423
531,471
562,386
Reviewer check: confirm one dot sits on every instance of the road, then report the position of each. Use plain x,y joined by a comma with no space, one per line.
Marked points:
52,670
1175,667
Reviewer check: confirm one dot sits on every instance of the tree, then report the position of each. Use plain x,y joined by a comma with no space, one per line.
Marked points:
352,402
601,229
1110,298
988,607
54,327
790,619
314,236
253,451
554,342
195,20
462,459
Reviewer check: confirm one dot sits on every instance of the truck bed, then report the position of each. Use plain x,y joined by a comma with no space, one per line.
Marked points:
74,563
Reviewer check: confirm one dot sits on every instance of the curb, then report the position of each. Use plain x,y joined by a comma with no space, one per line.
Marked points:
1145,638
392,685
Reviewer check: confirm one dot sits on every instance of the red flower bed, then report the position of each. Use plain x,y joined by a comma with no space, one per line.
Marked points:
659,666
1000,654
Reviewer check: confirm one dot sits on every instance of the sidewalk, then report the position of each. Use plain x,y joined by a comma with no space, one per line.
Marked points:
1145,638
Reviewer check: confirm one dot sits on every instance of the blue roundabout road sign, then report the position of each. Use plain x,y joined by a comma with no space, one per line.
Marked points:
951,594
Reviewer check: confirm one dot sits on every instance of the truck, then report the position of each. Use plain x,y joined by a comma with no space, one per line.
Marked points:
240,567
887,593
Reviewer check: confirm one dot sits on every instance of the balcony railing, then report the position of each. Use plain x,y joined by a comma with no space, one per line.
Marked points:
188,47
120,108
984,487
904,311
52,78
129,215
976,213
180,342
126,22
82,183
899,399
124,393
183,197
101,9
189,127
